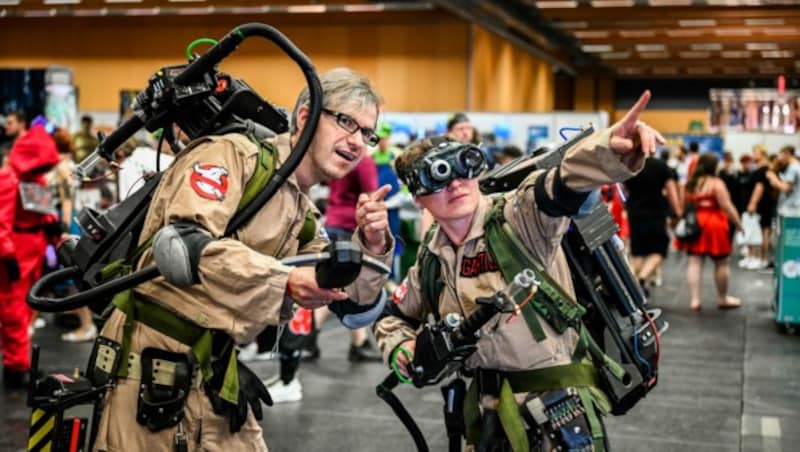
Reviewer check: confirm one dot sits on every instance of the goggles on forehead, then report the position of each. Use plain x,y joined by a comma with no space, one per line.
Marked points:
447,161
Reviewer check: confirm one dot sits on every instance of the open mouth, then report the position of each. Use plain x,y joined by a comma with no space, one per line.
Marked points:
349,156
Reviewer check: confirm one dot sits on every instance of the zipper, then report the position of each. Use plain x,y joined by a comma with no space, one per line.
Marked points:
454,287
285,239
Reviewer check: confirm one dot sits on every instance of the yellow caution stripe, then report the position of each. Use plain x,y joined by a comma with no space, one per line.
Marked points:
40,438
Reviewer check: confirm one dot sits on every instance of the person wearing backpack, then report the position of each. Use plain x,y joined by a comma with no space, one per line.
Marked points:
532,356
179,385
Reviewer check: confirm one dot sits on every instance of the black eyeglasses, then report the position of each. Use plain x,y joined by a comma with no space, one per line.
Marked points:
351,126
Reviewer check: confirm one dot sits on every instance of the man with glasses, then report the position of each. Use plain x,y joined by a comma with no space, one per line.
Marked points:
340,222
233,288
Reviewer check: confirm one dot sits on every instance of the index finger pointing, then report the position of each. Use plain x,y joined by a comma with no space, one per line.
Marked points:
633,114
379,194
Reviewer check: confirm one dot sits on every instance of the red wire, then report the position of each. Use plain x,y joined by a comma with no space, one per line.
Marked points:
519,306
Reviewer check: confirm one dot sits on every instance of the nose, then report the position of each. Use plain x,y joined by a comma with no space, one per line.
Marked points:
454,184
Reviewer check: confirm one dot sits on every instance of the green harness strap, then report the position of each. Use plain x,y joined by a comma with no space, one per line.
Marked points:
430,268
170,324
553,304
582,376
556,306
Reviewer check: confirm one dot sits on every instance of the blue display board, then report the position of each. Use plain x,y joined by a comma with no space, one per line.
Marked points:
787,272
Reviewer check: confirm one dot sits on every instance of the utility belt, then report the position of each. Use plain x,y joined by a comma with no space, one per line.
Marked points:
167,377
562,409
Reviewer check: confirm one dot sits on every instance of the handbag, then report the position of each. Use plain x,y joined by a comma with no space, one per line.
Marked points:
751,230
688,228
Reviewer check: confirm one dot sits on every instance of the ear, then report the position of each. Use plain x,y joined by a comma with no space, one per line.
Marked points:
302,117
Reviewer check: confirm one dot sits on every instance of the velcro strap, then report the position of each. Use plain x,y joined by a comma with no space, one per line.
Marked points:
166,371
551,378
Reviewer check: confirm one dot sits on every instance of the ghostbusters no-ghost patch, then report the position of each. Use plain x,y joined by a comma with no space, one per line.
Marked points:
399,292
209,181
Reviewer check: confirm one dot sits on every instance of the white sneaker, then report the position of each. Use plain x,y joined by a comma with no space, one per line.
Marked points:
39,323
284,393
746,262
249,353
757,264
87,336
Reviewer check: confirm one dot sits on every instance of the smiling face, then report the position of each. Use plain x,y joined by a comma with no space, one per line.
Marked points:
334,151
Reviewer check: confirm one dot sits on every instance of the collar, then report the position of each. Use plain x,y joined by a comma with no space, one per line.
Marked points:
283,143
476,230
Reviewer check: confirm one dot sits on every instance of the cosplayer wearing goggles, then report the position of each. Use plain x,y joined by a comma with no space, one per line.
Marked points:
449,160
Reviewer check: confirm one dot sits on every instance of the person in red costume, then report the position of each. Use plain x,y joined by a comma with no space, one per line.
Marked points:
24,231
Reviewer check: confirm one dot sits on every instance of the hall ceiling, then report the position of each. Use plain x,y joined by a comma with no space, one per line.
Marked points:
619,38
654,38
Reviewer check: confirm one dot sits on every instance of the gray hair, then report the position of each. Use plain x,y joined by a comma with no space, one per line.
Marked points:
341,86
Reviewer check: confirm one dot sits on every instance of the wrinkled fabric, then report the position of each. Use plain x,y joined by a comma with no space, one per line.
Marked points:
505,345
242,282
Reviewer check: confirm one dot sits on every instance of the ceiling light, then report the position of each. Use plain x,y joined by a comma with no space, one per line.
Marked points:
654,55
697,23
615,55
61,2
591,34
9,2
670,2
777,54
764,21
597,48
186,1
695,55
196,11
732,32
304,9
143,11
367,8
636,33
572,24
123,1
650,47
706,46
612,3
557,4
684,33
735,54
781,31
761,46
40,13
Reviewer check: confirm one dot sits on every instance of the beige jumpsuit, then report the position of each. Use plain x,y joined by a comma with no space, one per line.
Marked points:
242,288
467,276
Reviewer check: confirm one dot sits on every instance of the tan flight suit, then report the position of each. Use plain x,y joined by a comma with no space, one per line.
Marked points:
510,346
242,287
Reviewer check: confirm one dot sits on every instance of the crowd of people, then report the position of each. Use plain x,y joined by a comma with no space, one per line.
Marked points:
736,206
240,290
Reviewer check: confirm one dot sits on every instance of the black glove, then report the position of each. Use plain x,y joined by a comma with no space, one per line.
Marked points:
12,269
251,391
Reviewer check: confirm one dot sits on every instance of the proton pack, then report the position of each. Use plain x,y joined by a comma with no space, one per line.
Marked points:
616,316
200,100
619,335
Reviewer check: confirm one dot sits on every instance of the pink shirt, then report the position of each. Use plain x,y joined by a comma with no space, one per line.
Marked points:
341,210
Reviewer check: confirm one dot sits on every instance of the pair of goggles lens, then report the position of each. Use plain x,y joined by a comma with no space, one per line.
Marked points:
447,161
